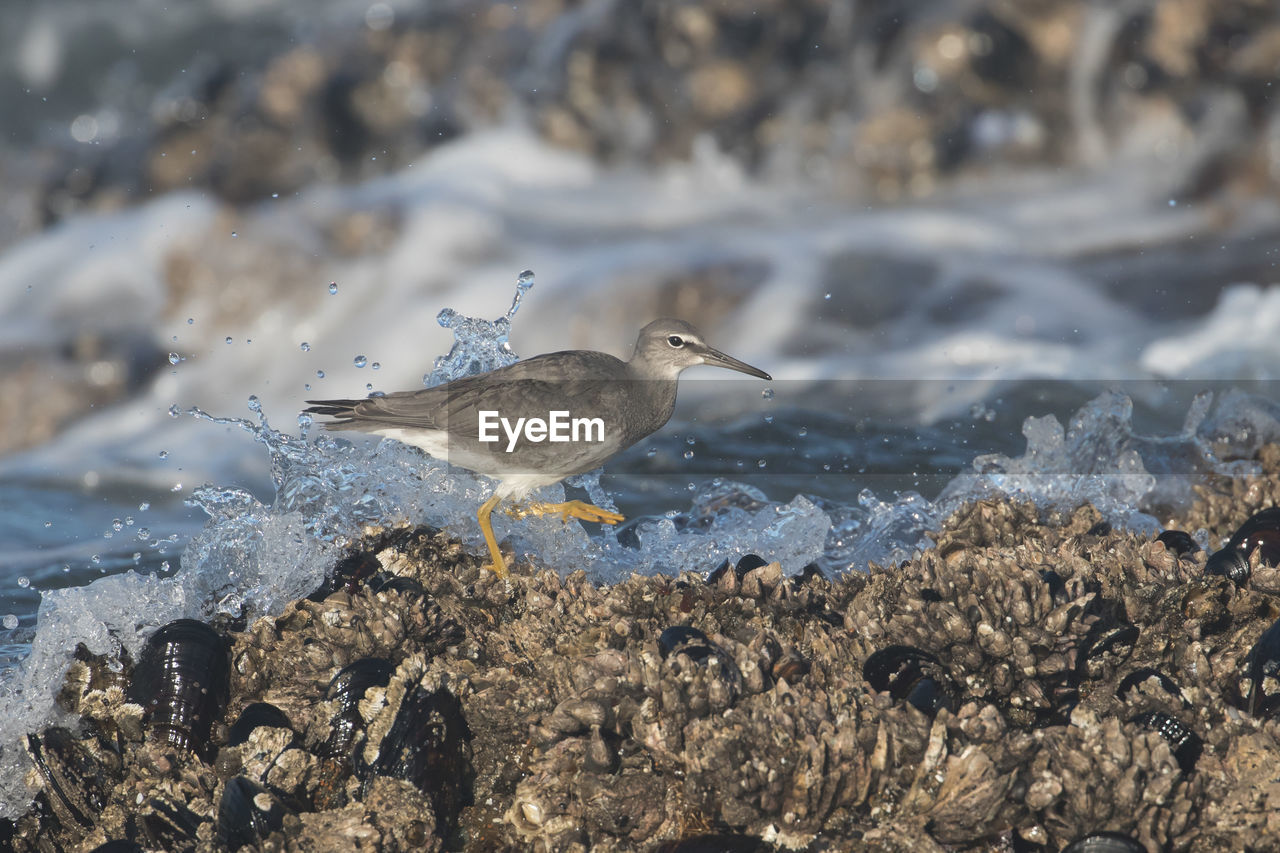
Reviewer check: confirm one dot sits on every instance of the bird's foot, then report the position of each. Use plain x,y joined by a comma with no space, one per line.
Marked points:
570,509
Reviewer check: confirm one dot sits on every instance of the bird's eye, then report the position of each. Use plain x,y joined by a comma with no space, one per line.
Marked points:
675,341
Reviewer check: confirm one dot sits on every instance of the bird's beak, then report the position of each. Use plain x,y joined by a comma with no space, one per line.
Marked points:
715,358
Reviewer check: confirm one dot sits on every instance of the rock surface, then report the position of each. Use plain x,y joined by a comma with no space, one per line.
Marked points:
1028,682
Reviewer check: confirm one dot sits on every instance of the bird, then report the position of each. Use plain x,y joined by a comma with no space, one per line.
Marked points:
540,420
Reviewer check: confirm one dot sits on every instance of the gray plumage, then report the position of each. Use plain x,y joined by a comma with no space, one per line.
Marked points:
631,398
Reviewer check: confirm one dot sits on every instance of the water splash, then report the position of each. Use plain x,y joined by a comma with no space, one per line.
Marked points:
478,345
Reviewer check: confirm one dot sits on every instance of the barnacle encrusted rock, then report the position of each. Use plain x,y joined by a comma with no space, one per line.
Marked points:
1037,679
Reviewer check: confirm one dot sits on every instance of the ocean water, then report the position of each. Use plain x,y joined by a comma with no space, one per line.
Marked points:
1055,335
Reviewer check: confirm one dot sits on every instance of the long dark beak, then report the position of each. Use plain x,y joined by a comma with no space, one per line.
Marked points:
715,358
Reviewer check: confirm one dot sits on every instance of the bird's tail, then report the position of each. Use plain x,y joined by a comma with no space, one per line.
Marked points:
344,410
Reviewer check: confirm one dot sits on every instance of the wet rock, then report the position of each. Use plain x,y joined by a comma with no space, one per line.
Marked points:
1079,681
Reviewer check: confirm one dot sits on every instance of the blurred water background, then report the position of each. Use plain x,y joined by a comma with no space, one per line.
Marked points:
945,228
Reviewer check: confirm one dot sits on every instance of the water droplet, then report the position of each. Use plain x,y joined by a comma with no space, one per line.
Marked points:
360,361
651,452
376,366
144,533
275,195
128,521
233,234
826,466
368,386
827,297
10,621
333,288
320,374
191,321
255,405
803,431
306,347
96,559
306,387
164,454
1173,202
690,441
174,358
177,487
767,393
688,454
164,566
768,419
760,463
24,581
228,339
174,411
144,506
48,524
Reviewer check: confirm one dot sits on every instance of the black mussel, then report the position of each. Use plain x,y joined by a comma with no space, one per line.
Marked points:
1057,586
253,716
76,781
1146,673
913,675
701,649
428,745
182,681
164,824
686,639
383,582
349,687
744,565
1185,744
247,814
719,842
1178,542
1261,533
1099,528
1116,641
1105,842
1263,697
1230,563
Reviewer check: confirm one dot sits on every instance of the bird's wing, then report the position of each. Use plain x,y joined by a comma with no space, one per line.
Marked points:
509,388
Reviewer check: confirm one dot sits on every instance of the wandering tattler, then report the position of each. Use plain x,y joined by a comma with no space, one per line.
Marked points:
535,422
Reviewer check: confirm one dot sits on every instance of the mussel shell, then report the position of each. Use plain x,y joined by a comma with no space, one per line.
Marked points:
427,745
1261,532
76,782
253,716
719,842
1057,586
182,681
1138,676
911,674
1229,562
349,687
1116,640
1105,842
164,824
120,845
701,649
1178,542
1185,744
744,565
1264,665
247,814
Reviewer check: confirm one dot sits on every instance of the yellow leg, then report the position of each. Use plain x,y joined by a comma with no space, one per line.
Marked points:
486,509
569,509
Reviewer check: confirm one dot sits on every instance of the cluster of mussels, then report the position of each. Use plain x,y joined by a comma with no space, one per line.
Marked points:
1029,684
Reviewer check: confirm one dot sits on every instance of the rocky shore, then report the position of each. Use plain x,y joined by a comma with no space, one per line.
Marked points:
1029,682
